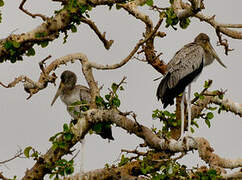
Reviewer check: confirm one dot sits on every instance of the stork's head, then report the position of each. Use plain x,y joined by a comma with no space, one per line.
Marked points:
68,82
203,40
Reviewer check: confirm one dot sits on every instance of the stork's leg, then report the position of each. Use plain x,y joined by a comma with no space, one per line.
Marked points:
182,115
189,109
82,150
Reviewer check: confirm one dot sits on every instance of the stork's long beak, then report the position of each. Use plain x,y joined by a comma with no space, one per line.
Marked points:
215,55
61,86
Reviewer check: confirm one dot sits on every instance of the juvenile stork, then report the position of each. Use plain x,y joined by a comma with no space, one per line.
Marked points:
183,68
70,93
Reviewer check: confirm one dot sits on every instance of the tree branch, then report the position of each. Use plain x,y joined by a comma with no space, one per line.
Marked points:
18,154
21,7
231,106
191,10
107,43
124,61
224,28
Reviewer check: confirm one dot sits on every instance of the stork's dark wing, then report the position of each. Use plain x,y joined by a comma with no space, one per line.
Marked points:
184,67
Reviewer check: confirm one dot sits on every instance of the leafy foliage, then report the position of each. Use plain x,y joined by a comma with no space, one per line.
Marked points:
168,119
31,152
67,137
81,105
61,167
111,100
172,20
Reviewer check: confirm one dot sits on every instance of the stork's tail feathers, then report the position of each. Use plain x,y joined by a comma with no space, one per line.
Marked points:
163,92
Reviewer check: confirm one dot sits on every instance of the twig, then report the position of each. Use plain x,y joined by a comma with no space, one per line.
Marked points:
124,61
21,7
203,91
107,43
134,152
42,63
223,42
18,154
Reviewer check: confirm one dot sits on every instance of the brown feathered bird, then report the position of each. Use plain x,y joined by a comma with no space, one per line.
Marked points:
183,68
70,93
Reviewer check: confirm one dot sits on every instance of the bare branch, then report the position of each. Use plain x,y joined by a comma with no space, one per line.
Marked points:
33,87
223,42
107,43
17,155
132,8
231,106
191,10
124,61
235,175
21,7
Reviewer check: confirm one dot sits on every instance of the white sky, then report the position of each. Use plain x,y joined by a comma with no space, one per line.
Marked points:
31,123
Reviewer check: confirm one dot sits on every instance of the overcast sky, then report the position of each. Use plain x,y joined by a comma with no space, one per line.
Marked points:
31,122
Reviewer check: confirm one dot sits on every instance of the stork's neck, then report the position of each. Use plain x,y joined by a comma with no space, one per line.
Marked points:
209,58
69,96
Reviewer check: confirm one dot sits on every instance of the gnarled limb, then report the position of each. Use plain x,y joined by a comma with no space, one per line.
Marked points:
191,10
21,7
107,43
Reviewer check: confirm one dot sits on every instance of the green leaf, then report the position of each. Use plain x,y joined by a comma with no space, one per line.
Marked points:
35,154
123,160
114,87
221,96
212,108
121,88
44,44
212,172
207,121
100,101
210,115
184,23
68,136
73,28
77,103
40,34
62,145
77,113
65,128
192,130
116,101
16,44
1,3
70,109
167,113
206,84
30,52
149,2
8,44
27,150
69,170
97,127
196,94
107,97
118,7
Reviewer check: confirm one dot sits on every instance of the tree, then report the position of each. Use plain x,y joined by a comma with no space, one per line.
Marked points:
156,159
